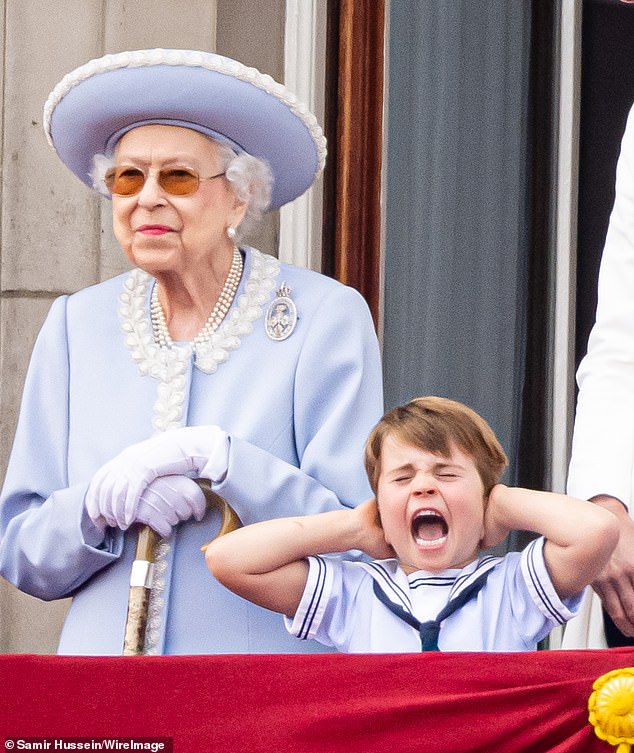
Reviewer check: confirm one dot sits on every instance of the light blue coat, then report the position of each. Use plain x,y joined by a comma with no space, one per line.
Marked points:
298,412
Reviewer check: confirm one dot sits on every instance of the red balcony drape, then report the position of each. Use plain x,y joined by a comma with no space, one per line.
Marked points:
437,703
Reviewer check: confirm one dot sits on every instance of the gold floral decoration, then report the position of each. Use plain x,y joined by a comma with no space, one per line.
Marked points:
611,708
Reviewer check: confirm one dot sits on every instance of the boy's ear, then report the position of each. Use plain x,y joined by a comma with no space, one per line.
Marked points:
485,504
378,511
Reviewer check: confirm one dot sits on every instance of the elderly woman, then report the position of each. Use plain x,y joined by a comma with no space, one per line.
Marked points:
209,360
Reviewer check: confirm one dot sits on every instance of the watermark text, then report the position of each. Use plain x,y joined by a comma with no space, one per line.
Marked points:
123,744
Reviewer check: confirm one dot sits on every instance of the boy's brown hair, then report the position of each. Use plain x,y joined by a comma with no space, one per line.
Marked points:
434,424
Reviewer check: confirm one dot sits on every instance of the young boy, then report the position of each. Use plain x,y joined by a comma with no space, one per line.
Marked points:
434,466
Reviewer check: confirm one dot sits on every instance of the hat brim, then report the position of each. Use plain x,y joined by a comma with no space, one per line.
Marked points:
110,96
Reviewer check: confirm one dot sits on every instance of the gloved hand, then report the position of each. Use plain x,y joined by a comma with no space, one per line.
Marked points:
168,500
117,487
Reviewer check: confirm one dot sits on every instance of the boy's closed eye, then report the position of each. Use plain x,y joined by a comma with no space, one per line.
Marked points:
400,479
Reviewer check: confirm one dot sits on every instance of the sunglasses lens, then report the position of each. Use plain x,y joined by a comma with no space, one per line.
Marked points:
127,181
178,181
124,181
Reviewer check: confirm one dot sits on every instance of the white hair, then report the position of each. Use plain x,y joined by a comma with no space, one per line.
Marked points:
100,166
250,178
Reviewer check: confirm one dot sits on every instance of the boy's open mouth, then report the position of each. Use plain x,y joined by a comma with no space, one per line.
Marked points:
429,527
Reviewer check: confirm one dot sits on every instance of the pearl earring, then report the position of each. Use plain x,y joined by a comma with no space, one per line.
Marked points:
231,233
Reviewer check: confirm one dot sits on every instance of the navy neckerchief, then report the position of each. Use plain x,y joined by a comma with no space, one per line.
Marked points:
430,630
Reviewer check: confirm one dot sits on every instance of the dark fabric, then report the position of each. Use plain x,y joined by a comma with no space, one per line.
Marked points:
457,207
613,635
607,93
429,631
534,702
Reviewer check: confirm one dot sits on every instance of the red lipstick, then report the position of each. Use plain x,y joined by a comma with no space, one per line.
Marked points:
154,229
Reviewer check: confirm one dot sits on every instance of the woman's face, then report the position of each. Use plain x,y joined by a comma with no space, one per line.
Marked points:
162,233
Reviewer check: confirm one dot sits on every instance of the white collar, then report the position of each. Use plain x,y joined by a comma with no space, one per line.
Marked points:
170,365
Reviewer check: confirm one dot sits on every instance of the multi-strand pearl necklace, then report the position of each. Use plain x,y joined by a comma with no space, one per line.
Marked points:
218,313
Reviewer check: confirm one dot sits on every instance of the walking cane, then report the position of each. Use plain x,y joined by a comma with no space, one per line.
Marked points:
143,570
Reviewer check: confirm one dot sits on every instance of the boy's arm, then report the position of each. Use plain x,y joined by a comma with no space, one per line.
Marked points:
266,562
580,536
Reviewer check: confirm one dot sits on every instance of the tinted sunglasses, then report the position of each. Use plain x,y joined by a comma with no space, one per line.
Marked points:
178,181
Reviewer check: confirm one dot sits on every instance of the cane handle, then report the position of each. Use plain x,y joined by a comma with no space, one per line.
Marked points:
229,519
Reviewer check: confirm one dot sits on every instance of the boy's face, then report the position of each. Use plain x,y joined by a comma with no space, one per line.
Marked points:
431,506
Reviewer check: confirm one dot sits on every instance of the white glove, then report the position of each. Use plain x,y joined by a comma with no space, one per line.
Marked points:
117,487
169,500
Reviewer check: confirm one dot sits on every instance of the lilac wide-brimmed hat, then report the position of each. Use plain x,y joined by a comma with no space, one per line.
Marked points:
94,105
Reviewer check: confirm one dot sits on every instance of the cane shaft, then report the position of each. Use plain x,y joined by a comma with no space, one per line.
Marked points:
140,591
146,544
136,625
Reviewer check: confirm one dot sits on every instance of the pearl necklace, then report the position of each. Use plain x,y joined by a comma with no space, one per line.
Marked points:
159,326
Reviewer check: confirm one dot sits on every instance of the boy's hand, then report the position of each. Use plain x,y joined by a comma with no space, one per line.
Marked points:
372,538
495,528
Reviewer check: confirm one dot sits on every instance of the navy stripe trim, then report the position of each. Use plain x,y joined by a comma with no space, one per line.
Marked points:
390,586
432,581
318,592
465,580
539,588
397,610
